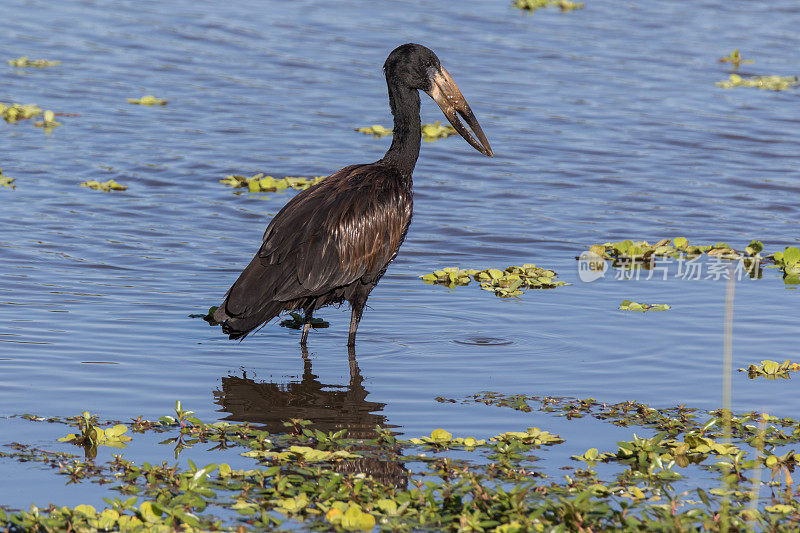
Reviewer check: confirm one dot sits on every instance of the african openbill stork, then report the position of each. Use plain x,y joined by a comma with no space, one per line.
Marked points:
332,242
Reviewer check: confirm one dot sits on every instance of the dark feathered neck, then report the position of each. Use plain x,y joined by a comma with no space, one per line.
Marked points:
404,151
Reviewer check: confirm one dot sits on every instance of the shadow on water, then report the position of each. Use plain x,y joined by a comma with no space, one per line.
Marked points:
330,408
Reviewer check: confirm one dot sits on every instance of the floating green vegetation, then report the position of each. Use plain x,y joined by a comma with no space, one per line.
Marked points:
105,186
295,321
146,100
24,61
735,59
375,130
533,5
6,181
441,439
644,251
15,112
263,183
770,83
430,132
312,480
49,121
771,369
90,435
504,283
789,262
628,305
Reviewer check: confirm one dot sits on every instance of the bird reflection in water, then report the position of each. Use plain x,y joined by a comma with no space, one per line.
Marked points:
330,408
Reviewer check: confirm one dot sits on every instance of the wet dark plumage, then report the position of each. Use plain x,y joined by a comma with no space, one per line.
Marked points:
332,242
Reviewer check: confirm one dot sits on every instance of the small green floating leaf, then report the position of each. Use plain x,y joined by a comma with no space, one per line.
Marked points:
735,59
628,305
105,186
24,61
771,369
261,183
533,5
770,83
6,181
507,283
431,132
49,121
441,438
375,130
16,112
148,100
755,247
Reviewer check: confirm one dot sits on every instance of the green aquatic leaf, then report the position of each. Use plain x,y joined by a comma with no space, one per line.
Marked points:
16,112
770,83
24,61
376,130
431,132
533,5
106,186
6,181
791,256
771,369
628,305
49,121
262,183
735,59
148,100
754,247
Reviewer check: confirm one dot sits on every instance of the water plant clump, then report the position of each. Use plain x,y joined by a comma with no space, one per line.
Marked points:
789,261
24,61
430,132
735,59
771,369
49,121
376,130
770,83
641,254
148,100
533,5
628,305
16,112
105,186
309,479
644,251
6,181
90,435
263,183
504,283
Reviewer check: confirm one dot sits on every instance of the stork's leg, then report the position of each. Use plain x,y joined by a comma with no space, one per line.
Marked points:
306,327
357,305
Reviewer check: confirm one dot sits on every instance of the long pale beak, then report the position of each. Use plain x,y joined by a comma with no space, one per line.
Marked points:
445,93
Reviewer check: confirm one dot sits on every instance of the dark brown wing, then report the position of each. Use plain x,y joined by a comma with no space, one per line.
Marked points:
346,228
